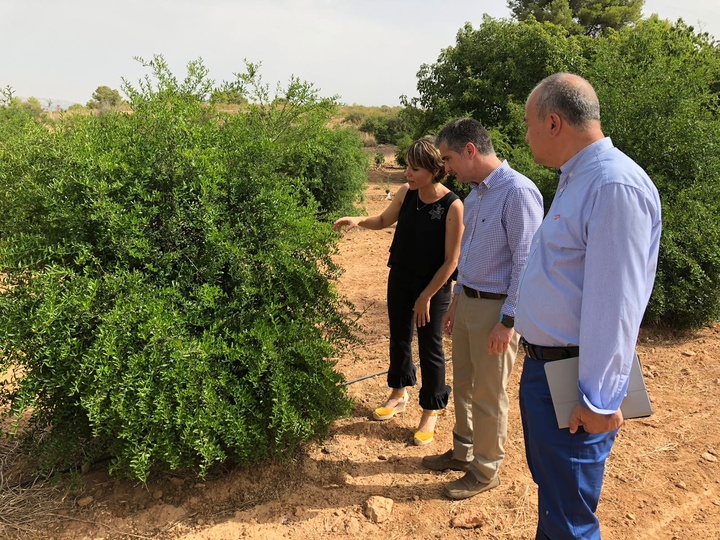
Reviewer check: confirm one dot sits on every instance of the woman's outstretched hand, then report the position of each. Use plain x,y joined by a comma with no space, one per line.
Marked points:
347,222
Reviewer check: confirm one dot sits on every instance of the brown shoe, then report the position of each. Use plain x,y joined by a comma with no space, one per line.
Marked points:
468,486
445,461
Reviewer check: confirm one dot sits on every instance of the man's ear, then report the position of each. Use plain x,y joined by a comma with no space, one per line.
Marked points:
555,123
470,149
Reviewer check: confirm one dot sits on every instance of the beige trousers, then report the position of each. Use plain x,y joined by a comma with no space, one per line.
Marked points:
479,387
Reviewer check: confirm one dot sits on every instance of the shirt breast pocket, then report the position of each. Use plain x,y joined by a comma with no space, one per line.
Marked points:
564,233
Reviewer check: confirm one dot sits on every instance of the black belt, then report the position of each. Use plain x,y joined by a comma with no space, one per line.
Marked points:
540,352
472,293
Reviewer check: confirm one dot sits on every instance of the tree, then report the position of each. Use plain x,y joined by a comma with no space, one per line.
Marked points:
592,17
491,67
11,105
104,98
487,75
33,106
557,12
658,87
386,127
657,84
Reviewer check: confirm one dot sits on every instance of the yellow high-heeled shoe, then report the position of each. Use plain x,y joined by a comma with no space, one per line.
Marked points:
385,413
422,438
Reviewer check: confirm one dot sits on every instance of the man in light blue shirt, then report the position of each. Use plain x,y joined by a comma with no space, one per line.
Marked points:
502,212
582,294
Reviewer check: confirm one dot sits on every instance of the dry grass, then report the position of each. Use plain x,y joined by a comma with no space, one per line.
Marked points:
368,139
27,507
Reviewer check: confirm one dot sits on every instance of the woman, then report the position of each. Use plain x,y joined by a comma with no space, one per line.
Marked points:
423,257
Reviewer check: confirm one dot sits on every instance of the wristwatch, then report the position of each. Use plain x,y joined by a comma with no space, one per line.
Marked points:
507,320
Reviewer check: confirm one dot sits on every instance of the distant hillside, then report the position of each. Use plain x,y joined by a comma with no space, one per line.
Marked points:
49,104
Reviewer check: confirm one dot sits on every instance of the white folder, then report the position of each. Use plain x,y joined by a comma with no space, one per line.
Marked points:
562,377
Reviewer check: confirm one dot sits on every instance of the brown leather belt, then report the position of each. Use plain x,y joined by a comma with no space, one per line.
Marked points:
472,293
548,354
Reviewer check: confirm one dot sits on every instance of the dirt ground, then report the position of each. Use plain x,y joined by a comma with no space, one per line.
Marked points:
662,481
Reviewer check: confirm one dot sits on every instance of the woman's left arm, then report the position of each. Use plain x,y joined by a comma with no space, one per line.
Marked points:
453,235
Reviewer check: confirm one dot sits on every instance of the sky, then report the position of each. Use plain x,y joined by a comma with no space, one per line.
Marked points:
364,52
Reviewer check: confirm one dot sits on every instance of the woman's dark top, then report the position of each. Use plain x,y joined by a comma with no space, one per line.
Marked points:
418,246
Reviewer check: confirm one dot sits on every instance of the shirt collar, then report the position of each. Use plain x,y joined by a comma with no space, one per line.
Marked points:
494,177
588,152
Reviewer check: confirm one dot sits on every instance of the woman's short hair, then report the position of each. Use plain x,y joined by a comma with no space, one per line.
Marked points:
422,154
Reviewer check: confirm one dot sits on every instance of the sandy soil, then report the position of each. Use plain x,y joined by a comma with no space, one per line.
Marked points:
662,482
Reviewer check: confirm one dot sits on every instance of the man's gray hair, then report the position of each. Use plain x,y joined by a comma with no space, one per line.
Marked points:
569,96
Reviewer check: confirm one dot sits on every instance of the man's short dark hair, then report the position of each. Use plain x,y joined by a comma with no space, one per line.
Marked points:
458,133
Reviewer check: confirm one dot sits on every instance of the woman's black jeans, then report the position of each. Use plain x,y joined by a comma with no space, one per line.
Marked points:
403,290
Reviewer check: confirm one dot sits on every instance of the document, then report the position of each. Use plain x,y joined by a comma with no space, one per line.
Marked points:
562,376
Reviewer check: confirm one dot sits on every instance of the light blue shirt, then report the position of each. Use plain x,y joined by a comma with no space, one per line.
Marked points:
591,269
501,215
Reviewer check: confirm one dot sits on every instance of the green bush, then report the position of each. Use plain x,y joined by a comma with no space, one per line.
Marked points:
168,296
14,107
353,117
387,128
403,143
331,166
319,165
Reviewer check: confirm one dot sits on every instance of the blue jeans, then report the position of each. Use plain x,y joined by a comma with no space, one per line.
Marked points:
568,469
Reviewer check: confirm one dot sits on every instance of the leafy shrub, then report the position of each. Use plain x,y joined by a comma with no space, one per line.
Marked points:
331,166
386,128
13,106
403,143
327,166
353,117
168,296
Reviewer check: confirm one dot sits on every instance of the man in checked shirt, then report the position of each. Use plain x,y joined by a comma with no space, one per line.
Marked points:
502,212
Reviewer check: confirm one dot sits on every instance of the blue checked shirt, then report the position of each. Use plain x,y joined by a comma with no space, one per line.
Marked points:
501,216
591,269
